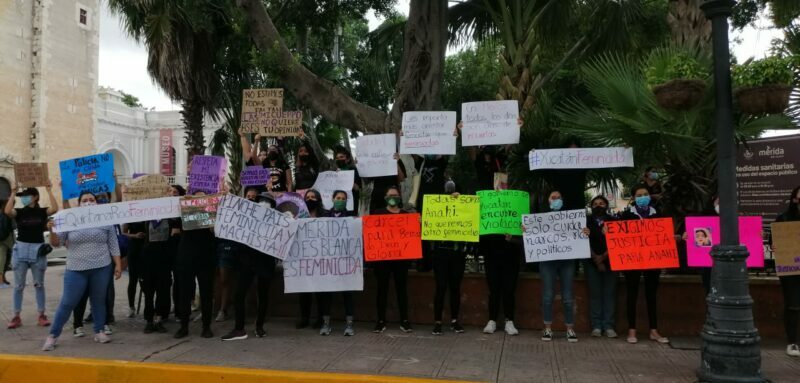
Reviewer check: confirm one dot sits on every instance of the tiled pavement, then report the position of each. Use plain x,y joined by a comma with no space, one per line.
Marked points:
468,356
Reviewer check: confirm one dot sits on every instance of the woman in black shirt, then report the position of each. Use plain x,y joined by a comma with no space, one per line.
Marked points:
306,169
602,281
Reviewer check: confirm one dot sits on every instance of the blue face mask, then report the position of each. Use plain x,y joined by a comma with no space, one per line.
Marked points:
653,176
26,200
101,201
556,204
643,201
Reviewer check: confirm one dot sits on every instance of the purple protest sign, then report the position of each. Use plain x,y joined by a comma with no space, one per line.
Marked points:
293,203
205,174
254,175
137,175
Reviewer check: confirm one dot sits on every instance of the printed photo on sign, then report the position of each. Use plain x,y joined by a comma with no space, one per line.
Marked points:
292,203
389,237
88,217
206,174
326,256
555,236
329,182
94,174
490,123
428,133
642,244
580,158
264,229
375,155
445,218
702,235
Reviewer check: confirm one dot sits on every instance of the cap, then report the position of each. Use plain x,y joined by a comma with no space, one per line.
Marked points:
28,191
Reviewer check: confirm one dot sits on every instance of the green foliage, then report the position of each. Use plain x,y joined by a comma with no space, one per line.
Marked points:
130,100
774,70
667,64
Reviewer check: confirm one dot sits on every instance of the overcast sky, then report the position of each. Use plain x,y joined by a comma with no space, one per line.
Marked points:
123,62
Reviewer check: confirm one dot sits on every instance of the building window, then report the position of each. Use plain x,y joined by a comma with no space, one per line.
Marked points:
83,17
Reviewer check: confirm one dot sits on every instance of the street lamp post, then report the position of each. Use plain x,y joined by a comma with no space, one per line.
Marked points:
730,340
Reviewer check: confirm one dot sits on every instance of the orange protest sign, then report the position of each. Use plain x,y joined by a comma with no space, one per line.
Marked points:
389,237
642,244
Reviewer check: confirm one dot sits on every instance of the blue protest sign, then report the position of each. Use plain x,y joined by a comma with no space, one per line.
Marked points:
92,173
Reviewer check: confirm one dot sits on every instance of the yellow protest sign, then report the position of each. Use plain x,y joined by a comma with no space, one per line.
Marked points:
445,218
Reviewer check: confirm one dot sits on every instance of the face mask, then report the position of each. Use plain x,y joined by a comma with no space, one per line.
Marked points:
430,157
449,187
339,205
88,203
643,201
265,204
102,201
556,204
26,200
392,201
341,164
598,211
716,209
312,204
653,176
272,156
304,157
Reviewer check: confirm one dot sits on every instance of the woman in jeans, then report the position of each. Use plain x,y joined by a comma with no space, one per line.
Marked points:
564,270
642,209
601,280
315,210
325,299
790,284
89,265
28,255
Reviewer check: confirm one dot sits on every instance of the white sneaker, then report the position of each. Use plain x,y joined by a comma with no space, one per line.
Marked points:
107,330
101,337
611,333
49,343
793,350
78,332
597,333
510,329
490,328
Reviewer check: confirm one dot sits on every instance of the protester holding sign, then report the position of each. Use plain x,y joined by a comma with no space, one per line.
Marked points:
30,251
175,233
790,284
449,260
89,265
306,169
314,204
642,210
344,161
272,159
602,281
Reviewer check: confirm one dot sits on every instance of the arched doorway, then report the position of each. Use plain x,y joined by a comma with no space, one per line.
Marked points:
5,189
120,163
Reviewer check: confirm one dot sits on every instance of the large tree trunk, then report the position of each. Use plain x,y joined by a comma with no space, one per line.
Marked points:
193,114
688,24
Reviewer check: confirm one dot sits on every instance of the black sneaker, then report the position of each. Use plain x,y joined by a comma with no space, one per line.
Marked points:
182,332
456,327
160,327
380,327
149,328
207,333
260,332
437,329
235,335
547,335
405,326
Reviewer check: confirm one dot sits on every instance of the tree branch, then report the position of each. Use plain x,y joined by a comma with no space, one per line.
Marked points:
321,95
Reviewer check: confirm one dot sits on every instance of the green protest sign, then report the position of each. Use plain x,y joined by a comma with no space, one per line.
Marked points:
502,211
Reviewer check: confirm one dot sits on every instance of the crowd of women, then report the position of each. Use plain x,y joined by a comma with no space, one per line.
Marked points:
171,265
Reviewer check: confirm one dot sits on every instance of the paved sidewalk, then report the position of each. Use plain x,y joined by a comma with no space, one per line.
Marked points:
468,356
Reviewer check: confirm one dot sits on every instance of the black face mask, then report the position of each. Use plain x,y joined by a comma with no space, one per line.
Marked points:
341,164
272,156
598,211
312,204
304,157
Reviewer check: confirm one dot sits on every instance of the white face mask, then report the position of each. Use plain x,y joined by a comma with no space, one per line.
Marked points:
88,203
716,209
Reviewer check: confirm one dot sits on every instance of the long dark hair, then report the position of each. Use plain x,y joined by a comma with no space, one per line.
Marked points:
312,162
180,189
793,212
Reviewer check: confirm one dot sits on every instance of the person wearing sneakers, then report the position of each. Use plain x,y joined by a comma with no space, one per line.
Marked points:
92,254
449,262
790,284
30,251
253,265
602,281
315,210
385,269
325,299
642,209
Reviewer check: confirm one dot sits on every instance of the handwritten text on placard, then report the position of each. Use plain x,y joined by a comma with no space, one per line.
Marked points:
375,155
266,230
445,218
392,237
580,158
490,123
556,235
87,217
428,133
642,244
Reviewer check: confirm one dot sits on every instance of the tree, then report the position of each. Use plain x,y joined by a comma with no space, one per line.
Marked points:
688,24
130,100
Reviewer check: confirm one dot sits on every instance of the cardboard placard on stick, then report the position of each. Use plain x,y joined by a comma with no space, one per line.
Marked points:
199,212
146,187
642,244
389,237
31,174
786,242
262,112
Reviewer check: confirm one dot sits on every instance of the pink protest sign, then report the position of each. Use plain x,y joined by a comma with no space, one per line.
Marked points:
703,232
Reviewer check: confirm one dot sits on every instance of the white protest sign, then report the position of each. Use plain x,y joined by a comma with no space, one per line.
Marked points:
87,217
266,230
375,155
325,256
580,158
489,123
554,236
428,133
329,182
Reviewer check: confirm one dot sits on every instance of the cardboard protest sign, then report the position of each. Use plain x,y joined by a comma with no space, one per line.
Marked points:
146,187
490,123
642,244
580,158
199,212
445,218
389,237
703,232
428,133
87,217
555,236
375,155
206,174
30,174
329,182
92,173
325,256
266,230
262,112
786,246
292,203
501,211
254,175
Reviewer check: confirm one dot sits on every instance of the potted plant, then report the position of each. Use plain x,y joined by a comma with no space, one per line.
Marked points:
763,86
676,77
